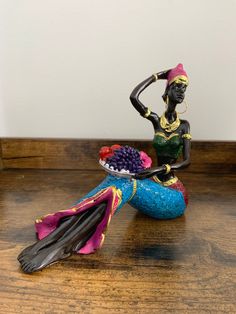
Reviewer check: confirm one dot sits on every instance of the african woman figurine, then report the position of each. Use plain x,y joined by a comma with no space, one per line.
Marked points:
171,138
156,192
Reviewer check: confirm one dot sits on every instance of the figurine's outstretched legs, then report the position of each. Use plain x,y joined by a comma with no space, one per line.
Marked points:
70,236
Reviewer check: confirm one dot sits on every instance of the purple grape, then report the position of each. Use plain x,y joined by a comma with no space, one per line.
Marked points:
127,158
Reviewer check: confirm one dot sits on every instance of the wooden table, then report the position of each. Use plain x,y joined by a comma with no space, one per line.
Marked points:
186,265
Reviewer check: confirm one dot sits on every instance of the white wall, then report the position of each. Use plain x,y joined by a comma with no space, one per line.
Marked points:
67,67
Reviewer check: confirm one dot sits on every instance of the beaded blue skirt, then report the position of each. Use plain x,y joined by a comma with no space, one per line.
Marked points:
147,196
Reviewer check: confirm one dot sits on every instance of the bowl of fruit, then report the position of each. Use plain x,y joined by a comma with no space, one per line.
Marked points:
123,161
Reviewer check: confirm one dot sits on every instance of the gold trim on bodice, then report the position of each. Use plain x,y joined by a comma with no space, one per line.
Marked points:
165,136
186,135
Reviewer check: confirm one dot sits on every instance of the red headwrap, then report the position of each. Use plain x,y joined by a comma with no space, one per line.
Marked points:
178,75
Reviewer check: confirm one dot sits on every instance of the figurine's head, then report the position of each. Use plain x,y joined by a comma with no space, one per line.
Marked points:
177,83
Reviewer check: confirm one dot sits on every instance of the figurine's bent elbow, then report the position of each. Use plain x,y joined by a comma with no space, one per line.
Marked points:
133,98
181,165
186,163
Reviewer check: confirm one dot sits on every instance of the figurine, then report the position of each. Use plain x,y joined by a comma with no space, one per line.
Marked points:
156,192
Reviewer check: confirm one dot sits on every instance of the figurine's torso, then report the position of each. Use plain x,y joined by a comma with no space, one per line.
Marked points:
168,146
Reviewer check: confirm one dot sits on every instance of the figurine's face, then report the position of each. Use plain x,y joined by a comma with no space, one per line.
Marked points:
176,92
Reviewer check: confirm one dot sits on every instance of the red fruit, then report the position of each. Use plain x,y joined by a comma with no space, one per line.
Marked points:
105,152
115,146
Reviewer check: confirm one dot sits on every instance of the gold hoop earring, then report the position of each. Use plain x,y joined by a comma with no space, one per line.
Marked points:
167,102
186,108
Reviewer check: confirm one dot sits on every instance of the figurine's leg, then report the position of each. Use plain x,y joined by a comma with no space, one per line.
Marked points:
78,230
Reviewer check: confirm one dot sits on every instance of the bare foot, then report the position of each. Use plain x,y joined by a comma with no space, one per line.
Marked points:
49,240
44,258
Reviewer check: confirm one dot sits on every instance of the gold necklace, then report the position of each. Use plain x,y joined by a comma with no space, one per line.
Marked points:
167,126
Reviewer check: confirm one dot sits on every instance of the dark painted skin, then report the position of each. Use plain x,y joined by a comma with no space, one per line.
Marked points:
176,94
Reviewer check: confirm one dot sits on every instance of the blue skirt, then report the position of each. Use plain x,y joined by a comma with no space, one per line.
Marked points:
147,196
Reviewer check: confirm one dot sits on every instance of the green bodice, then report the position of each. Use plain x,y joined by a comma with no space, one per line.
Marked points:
171,146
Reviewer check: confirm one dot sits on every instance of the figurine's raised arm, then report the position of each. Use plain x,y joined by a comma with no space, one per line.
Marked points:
134,97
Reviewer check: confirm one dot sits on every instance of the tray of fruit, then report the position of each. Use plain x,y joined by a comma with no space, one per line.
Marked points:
123,161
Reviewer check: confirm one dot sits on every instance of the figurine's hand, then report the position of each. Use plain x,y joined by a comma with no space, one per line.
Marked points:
143,175
163,75
149,173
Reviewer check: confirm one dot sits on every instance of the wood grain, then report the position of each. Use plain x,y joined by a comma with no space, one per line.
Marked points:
186,265
1,164
210,157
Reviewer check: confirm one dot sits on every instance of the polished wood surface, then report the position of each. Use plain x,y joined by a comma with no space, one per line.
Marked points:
186,265
1,165
206,156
